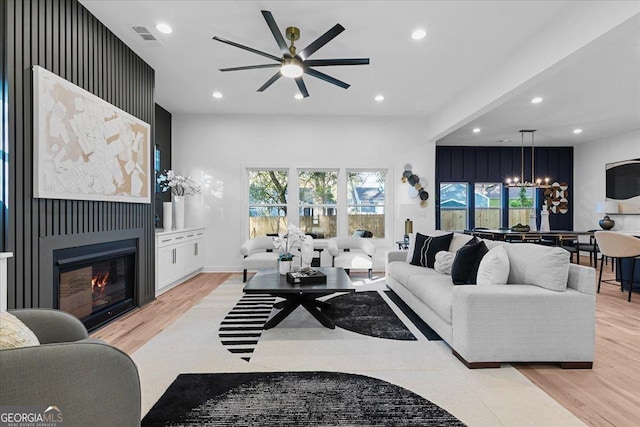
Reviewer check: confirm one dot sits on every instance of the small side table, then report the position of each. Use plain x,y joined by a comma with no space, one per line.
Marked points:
402,245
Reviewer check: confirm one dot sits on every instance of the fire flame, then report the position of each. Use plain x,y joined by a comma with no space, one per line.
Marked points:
99,284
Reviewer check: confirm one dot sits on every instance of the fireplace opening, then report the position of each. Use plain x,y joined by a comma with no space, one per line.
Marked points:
96,283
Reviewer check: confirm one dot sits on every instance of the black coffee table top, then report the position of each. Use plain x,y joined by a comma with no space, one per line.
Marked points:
270,281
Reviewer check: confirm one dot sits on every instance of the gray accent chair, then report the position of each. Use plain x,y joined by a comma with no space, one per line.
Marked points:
93,383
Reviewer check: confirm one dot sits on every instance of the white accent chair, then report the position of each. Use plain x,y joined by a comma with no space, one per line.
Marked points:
258,253
352,253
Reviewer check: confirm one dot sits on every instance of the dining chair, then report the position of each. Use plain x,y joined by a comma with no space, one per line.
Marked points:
618,246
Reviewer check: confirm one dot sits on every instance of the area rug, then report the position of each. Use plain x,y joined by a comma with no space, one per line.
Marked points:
292,399
422,326
367,313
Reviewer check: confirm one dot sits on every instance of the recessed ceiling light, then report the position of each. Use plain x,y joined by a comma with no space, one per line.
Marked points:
217,95
418,34
476,130
577,131
379,98
536,100
164,28
298,96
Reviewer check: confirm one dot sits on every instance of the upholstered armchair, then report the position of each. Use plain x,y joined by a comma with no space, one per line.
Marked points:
91,382
258,253
352,253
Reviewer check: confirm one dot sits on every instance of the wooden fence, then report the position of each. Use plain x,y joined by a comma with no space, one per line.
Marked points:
325,228
456,219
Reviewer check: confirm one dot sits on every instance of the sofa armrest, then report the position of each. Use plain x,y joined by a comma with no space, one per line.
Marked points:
522,323
332,247
93,384
582,279
395,255
51,326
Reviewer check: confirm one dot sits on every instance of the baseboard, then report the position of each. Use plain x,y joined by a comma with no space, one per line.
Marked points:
476,365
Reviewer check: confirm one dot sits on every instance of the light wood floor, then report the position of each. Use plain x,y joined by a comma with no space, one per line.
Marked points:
607,395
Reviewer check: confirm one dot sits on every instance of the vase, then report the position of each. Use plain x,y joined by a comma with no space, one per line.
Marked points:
532,222
544,220
284,267
178,206
166,215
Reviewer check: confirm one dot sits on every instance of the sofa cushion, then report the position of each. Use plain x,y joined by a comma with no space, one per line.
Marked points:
457,241
261,260
426,248
443,263
14,333
494,267
465,265
543,266
402,271
436,291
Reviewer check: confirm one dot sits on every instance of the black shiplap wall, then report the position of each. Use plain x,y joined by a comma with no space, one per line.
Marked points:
63,37
3,115
163,143
495,164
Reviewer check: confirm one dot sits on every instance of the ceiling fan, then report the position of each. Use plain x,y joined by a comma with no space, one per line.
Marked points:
292,64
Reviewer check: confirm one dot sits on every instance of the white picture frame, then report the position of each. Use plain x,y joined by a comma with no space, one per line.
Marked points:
85,148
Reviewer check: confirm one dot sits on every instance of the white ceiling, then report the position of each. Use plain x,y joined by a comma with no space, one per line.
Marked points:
599,89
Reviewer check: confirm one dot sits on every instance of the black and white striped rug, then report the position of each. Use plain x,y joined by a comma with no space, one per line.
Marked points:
241,328
292,399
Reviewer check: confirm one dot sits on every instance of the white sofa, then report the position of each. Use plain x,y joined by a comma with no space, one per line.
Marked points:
492,324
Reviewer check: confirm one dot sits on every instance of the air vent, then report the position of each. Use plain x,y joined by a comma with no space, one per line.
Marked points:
145,34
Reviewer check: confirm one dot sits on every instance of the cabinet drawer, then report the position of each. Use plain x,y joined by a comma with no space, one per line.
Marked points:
170,239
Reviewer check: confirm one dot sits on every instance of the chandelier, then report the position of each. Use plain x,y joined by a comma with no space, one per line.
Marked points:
521,181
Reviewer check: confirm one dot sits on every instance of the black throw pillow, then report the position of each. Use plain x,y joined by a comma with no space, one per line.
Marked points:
426,248
464,269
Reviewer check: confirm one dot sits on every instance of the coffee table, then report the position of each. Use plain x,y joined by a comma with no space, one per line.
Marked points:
269,281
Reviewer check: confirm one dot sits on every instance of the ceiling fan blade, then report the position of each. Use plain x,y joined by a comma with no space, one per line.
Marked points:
321,41
276,32
326,78
302,87
327,62
269,82
250,49
250,67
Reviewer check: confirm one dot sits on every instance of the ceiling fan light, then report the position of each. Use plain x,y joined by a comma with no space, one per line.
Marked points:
291,68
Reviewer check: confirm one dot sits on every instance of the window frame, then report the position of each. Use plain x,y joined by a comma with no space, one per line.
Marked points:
385,205
335,205
249,205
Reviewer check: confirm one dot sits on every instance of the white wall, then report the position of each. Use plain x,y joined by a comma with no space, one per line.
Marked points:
215,149
589,179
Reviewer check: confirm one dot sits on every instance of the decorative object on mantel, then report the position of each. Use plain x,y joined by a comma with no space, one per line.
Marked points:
520,181
555,197
608,207
85,148
180,186
285,243
416,189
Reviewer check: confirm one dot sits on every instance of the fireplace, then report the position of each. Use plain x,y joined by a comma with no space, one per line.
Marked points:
95,283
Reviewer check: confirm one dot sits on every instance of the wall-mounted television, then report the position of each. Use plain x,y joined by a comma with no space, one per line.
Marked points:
623,185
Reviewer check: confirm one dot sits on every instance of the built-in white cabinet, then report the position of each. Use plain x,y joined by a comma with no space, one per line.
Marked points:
178,256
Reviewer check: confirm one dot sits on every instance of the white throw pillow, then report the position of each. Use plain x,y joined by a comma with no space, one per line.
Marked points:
14,333
494,267
444,261
544,266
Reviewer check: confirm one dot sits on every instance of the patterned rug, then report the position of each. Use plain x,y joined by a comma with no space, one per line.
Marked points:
365,313
292,399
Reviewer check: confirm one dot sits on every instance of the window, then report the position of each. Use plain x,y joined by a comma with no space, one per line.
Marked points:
318,195
454,203
267,201
488,205
521,203
365,202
